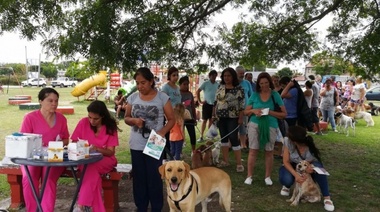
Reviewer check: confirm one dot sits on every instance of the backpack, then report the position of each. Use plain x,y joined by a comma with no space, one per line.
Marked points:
305,118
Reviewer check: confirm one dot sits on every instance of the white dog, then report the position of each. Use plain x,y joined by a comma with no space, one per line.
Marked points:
345,121
366,116
216,153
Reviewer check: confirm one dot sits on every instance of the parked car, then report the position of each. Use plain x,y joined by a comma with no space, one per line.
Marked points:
34,82
373,94
64,82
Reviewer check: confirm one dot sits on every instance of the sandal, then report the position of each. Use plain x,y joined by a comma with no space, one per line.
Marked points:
328,204
239,168
222,164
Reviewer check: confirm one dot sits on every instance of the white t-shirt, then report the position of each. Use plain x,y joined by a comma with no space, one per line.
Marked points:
356,91
309,98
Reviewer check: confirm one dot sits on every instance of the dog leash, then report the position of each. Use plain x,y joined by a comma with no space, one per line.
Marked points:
220,139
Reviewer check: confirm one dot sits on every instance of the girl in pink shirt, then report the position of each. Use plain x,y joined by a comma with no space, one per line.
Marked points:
100,130
51,125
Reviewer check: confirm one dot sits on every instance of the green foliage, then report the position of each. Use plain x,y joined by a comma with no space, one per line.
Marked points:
48,69
80,70
326,63
285,72
126,34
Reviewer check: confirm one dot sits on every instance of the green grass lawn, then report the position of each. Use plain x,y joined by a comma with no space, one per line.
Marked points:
352,162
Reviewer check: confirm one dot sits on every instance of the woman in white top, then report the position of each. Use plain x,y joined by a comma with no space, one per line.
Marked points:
308,93
358,94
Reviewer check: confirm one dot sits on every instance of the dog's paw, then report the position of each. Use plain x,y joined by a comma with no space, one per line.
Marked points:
294,203
289,200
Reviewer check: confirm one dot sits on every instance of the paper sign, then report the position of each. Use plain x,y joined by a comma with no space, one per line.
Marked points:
321,171
155,145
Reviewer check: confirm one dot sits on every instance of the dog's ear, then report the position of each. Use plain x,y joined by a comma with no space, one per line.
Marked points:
161,169
187,169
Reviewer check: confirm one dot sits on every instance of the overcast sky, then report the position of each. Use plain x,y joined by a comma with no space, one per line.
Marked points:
14,49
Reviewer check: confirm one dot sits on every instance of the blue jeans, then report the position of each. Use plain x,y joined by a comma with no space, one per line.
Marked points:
329,114
176,149
147,182
287,179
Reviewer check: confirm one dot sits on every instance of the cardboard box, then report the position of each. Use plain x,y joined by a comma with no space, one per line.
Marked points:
21,145
86,147
78,150
55,151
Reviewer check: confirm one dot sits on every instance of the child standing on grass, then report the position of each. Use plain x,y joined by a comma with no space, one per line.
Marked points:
176,137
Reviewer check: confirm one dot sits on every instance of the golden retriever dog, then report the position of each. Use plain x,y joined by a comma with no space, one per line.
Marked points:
308,191
186,188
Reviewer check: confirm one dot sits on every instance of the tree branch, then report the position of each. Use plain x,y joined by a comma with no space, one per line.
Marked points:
281,32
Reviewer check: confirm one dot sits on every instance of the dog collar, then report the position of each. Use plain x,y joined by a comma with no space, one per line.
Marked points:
176,202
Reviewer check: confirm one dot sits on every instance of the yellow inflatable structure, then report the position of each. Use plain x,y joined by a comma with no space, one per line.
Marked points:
95,80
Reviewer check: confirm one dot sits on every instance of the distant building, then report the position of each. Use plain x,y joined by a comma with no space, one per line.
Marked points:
61,73
309,69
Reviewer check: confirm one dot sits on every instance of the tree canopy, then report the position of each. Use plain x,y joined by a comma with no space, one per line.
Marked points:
124,34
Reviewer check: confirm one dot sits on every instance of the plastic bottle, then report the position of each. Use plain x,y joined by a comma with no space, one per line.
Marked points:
37,154
34,152
45,153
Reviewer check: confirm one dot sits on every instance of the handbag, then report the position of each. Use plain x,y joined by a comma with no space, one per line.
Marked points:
281,122
187,115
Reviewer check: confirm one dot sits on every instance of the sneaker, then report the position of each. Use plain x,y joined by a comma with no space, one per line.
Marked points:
318,133
240,168
248,181
328,205
268,181
200,140
335,130
284,191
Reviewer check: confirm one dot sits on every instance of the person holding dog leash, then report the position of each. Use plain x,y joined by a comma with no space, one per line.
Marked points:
299,146
144,112
229,106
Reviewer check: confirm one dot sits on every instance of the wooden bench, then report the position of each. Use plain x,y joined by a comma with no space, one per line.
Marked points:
65,109
110,185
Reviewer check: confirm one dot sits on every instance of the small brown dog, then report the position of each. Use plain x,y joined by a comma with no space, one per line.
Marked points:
197,157
207,156
202,156
349,111
308,191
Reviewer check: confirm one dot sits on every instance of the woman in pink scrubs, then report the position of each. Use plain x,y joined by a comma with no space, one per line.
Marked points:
100,130
51,125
